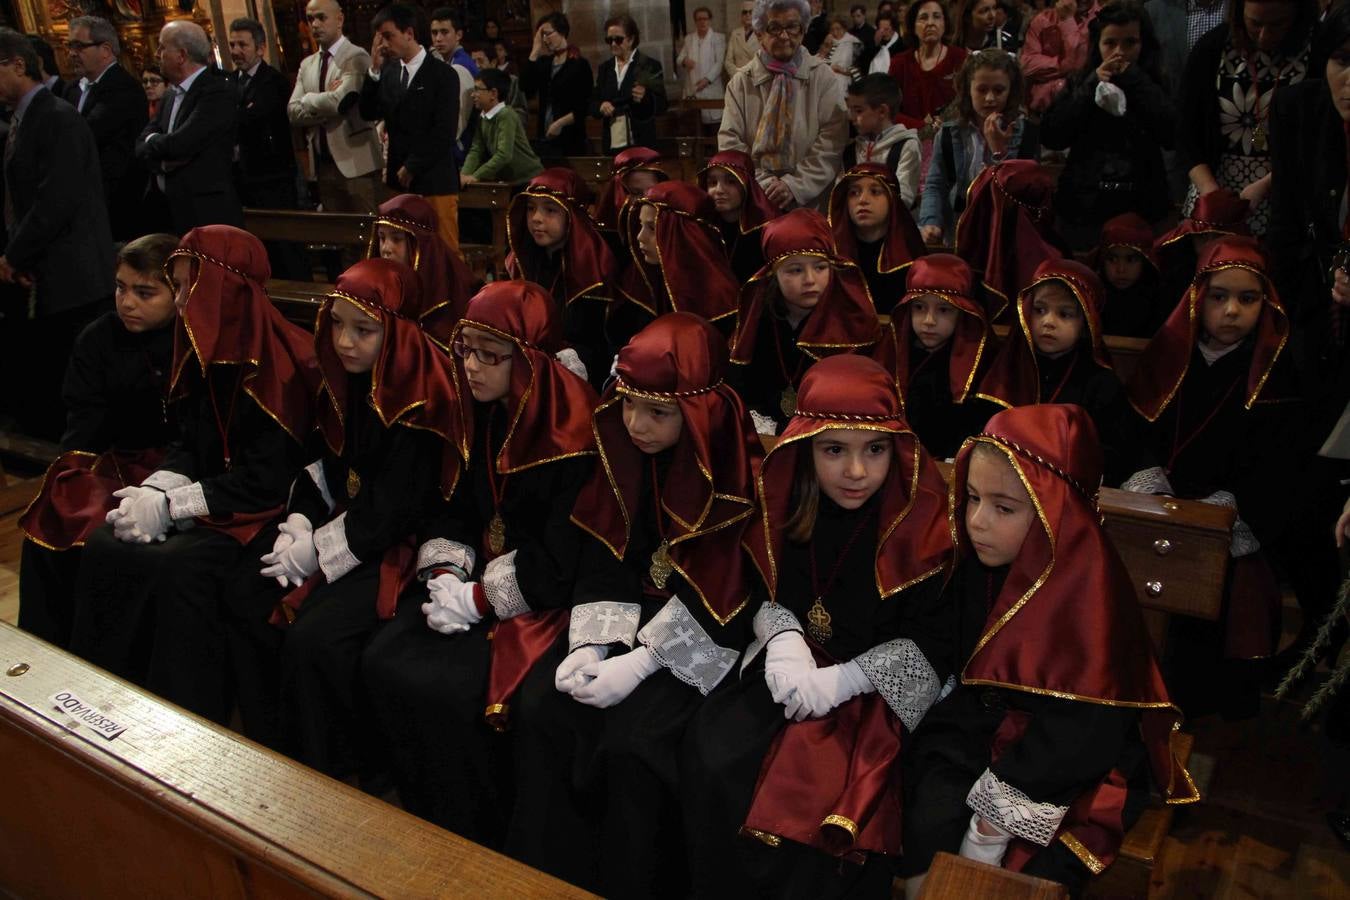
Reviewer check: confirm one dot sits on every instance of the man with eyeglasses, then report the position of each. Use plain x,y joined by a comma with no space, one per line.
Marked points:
113,105
58,253
741,43
786,109
702,57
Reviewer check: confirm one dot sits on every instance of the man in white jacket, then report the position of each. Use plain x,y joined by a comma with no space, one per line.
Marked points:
786,109
704,52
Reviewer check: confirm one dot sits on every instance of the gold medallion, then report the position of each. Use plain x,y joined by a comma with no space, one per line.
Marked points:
787,401
353,483
818,622
662,567
496,538
1259,137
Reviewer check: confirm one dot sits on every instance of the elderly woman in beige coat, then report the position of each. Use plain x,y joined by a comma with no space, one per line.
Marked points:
786,109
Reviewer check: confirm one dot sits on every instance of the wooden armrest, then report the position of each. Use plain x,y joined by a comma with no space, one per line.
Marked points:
953,877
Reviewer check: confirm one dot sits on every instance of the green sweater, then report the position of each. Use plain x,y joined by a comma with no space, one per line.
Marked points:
501,151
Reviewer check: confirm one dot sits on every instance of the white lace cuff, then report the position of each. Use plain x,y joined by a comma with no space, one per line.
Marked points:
439,553
903,676
1243,541
1013,811
569,360
330,543
501,588
187,502
603,622
315,472
770,621
763,423
166,481
682,645
1148,481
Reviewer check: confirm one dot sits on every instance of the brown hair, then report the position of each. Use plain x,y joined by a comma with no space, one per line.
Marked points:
1305,16
148,254
912,16
806,492
998,60
629,26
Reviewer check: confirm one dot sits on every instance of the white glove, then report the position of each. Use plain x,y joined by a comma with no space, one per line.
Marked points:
293,557
451,608
141,517
985,848
787,660
568,677
821,690
612,680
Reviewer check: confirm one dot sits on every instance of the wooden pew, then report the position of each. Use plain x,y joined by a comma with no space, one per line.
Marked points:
177,807
330,228
494,196
955,878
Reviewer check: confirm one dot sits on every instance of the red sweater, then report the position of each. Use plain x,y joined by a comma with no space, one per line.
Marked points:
924,93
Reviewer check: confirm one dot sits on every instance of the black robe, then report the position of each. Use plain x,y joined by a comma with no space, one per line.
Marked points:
886,288
583,318
149,612
746,251
736,725
113,391
1067,748
1076,378
941,424
1139,310
428,689
777,365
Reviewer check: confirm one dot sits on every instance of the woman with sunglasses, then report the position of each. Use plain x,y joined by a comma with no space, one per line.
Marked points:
630,90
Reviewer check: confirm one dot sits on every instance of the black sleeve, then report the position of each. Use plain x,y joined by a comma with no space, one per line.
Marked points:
428,154
262,469
456,520
210,121
606,88
269,95
1199,119
1068,747
83,391
64,152
1287,234
1148,107
546,559
928,618
602,576
398,498
306,499
534,75
371,106
1070,112
117,113
577,96
1119,426
654,103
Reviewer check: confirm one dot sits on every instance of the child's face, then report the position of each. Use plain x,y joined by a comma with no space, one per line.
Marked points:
1056,318
480,59
999,511
183,272
1232,306
652,426
933,320
357,337
869,204
394,244
726,193
636,183
646,236
868,119
547,222
989,91
483,98
143,301
488,381
803,279
851,464
1122,267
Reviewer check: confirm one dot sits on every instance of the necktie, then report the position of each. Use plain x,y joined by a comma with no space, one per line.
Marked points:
403,78
243,82
10,141
324,57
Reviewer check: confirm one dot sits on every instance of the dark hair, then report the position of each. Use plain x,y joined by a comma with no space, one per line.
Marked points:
805,495
446,14
1305,17
496,80
703,9
1330,36
148,253
857,7
558,21
45,55
877,90
403,17
253,27
889,17
912,16
629,26
963,26
17,46
1123,12
999,60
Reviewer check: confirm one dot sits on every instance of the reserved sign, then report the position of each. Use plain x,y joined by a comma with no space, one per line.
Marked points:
87,714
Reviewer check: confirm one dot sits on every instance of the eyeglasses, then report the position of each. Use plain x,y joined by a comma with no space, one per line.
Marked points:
777,30
486,357
547,34
152,82
77,46
615,39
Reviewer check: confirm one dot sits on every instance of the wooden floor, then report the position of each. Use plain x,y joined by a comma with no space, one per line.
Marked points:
1260,832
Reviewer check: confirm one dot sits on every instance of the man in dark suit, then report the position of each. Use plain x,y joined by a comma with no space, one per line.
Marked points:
114,105
51,73
417,96
264,165
189,147
59,250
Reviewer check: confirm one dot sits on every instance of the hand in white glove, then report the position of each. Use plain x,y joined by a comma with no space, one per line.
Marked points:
568,677
293,557
821,690
612,680
451,608
985,848
787,660
142,516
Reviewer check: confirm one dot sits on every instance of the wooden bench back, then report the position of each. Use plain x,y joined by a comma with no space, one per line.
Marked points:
339,229
177,807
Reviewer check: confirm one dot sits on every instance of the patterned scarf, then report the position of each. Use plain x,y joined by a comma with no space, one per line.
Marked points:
773,148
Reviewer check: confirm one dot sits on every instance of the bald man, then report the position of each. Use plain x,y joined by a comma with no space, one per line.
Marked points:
344,150
189,146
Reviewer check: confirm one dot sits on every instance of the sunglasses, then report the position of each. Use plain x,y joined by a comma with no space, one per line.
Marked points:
486,357
615,39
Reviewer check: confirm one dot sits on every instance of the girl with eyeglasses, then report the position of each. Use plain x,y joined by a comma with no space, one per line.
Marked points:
498,567
153,83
